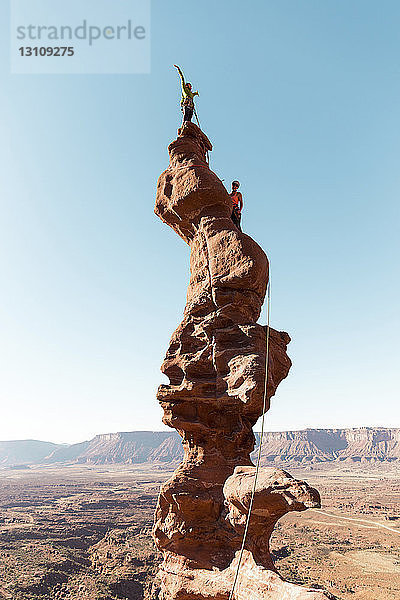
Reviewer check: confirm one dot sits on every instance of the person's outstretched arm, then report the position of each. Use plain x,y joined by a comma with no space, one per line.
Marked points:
181,76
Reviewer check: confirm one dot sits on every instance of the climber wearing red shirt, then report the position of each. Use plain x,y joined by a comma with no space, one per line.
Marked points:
237,204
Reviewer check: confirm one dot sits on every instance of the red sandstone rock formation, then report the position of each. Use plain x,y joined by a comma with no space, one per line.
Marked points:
216,367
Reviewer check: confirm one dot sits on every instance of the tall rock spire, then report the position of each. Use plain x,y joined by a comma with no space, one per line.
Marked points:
216,369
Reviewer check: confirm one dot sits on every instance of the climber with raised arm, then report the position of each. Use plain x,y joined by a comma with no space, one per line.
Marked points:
187,102
237,204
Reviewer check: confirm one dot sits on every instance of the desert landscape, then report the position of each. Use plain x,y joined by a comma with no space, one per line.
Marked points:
199,308
79,530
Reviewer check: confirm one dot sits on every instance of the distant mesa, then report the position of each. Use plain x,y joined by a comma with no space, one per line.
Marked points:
309,446
25,452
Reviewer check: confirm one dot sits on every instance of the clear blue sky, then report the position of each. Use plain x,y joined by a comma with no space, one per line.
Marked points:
301,101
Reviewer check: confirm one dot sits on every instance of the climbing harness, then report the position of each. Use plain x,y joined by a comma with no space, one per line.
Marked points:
260,444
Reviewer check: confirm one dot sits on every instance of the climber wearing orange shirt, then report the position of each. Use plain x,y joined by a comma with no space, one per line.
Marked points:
237,204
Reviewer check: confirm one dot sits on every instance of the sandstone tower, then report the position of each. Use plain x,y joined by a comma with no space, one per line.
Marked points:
216,367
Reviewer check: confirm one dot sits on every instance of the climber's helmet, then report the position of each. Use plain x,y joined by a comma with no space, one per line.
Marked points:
189,85
235,184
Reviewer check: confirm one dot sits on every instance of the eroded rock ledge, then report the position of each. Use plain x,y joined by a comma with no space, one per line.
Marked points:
216,367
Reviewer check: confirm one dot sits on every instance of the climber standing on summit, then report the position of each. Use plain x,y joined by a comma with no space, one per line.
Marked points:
187,102
237,204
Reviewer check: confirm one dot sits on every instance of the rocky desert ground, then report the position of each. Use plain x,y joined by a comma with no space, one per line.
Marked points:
82,532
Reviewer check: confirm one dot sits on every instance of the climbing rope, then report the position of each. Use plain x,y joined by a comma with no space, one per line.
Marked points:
260,444
197,118
198,123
